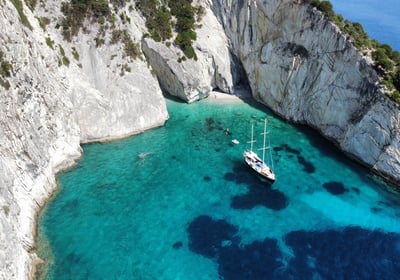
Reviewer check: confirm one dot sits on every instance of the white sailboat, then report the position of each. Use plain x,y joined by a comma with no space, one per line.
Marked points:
261,166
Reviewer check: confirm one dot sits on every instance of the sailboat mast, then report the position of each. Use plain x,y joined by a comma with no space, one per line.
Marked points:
252,138
270,154
251,142
265,136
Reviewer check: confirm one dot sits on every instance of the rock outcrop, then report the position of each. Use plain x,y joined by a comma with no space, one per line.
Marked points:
296,62
51,108
302,67
191,80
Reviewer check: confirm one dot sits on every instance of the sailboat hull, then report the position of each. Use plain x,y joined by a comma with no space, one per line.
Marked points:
259,166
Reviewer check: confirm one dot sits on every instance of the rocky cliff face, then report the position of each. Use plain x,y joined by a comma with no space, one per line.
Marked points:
304,69
191,80
297,63
51,108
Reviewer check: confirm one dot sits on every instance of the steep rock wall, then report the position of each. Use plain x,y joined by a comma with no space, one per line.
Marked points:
51,108
191,80
304,69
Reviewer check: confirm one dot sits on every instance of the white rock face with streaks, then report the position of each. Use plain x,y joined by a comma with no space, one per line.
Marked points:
191,80
304,69
50,109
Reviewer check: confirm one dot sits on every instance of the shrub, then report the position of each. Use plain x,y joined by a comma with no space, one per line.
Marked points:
200,12
396,79
76,11
396,57
323,6
116,36
75,54
5,69
326,8
395,96
31,4
20,9
99,41
184,12
43,22
65,61
118,3
131,48
385,59
382,61
6,209
62,52
5,84
50,42
388,49
159,21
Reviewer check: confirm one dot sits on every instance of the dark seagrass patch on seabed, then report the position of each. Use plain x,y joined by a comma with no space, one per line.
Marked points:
350,253
259,193
335,188
333,254
307,165
207,236
207,178
177,245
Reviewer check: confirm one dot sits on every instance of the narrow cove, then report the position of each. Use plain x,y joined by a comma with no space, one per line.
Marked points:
178,202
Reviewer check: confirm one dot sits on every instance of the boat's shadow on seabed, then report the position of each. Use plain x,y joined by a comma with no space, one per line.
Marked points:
260,192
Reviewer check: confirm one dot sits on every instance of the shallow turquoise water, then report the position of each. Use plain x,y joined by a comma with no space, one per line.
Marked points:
190,209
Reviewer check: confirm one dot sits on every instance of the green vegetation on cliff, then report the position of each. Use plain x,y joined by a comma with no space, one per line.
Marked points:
76,11
386,61
97,11
184,12
20,9
5,71
163,16
158,19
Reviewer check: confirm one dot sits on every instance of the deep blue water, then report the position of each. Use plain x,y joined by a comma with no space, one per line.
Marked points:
177,202
380,19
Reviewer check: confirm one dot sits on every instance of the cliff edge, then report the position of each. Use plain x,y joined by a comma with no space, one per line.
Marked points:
55,95
302,67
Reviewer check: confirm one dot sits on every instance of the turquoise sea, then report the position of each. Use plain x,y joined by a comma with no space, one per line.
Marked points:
380,19
178,202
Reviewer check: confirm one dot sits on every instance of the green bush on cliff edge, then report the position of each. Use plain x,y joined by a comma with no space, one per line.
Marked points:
386,61
159,22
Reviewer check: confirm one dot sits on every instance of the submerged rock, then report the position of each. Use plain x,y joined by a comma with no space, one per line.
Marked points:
335,188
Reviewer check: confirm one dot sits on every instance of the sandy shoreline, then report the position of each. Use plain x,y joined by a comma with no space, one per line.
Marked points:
236,97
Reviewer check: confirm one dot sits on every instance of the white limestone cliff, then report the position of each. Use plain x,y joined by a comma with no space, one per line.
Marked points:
50,109
302,67
194,79
298,64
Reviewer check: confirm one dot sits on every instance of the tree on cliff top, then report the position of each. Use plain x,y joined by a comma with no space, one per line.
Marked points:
386,61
